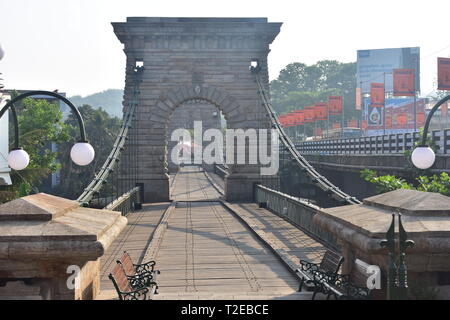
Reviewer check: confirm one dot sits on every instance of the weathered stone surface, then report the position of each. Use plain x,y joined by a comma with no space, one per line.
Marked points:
42,235
360,228
412,202
194,59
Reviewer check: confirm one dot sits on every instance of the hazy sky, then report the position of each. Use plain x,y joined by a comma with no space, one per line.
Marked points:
70,45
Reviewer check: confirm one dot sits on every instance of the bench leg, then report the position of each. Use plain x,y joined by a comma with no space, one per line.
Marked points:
314,294
301,284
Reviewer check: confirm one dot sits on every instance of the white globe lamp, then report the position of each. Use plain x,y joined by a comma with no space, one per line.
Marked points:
82,153
423,157
18,159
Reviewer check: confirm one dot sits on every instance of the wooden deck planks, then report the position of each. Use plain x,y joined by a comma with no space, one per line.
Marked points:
134,239
207,252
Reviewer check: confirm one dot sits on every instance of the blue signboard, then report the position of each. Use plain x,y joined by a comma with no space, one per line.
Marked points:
377,65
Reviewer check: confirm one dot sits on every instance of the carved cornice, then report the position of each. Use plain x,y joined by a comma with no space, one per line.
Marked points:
196,33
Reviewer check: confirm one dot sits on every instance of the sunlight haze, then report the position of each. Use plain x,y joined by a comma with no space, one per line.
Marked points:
70,45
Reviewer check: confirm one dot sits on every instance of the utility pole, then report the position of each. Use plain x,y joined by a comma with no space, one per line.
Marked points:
415,105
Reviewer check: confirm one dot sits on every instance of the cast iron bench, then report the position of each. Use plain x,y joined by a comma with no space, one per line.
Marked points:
134,281
352,286
312,274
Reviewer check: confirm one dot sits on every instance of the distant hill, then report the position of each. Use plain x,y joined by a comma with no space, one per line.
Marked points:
109,100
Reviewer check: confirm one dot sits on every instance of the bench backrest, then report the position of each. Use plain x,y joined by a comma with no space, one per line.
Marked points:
359,275
119,279
331,262
127,264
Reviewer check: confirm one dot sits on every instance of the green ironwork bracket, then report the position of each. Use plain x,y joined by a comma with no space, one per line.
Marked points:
397,278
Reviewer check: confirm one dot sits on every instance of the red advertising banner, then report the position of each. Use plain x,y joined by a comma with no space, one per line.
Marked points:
364,124
299,116
321,111
318,131
336,125
404,82
358,99
401,119
352,123
292,119
443,73
377,94
335,105
388,122
420,118
309,114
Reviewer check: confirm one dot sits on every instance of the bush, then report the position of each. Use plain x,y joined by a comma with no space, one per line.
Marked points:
436,183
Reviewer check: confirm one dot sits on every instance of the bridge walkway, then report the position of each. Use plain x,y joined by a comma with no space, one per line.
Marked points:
208,250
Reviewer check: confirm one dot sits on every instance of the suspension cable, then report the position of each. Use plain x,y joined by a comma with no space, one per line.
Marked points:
318,179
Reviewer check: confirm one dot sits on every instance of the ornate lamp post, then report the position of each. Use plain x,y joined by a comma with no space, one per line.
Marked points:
423,156
82,153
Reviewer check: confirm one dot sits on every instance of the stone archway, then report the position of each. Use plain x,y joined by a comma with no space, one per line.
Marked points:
241,177
194,58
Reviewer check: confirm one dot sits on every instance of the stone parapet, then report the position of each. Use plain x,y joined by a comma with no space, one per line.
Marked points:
45,239
360,228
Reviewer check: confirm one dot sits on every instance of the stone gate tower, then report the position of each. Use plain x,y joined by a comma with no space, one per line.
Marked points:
194,59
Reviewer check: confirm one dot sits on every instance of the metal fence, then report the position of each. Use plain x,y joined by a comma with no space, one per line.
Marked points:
299,212
384,144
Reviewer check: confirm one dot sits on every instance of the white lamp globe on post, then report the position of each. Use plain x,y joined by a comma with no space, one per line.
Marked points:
423,157
18,159
82,153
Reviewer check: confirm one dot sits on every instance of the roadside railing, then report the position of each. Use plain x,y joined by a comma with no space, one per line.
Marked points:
383,144
299,212
221,170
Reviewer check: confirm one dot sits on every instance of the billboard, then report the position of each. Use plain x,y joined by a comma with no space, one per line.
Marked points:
399,115
443,73
377,66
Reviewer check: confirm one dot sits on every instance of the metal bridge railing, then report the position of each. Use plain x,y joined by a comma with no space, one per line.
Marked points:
114,186
299,212
221,170
383,144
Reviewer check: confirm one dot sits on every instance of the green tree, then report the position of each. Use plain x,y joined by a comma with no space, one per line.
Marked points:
40,124
101,130
300,85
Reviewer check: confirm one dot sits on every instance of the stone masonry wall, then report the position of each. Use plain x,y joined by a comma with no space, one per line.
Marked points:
194,58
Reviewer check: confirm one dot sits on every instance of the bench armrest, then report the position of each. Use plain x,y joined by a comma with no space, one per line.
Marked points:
142,280
145,267
137,294
309,266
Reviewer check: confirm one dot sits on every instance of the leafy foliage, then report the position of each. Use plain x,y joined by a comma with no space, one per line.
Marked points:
436,183
101,129
384,183
40,123
300,85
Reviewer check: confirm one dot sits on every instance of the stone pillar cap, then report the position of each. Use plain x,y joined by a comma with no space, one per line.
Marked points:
43,226
412,202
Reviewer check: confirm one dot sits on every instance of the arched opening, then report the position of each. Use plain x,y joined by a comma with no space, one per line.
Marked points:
195,117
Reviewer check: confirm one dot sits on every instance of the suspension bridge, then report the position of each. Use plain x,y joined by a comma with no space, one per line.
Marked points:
211,238
230,232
